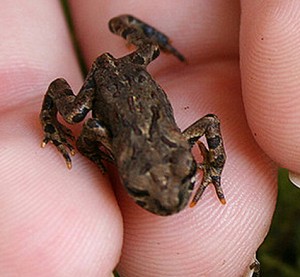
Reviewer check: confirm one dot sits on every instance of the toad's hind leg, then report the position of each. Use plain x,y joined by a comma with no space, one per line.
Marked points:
92,138
140,33
213,158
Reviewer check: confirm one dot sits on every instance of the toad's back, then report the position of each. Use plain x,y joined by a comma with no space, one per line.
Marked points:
128,100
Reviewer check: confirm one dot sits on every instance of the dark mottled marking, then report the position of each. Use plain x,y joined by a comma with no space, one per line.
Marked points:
166,158
155,54
181,198
216,179
168,142
153,95
128,31
116,94
49,128
112,89
93,124
46,117
56,143
138,60
219,160
89,84
154,119
191,186
87,141
173,159
213,142
135,153
48,103
193,139
130,18
145,168
80,116
154,177
136,129
141,78
131,105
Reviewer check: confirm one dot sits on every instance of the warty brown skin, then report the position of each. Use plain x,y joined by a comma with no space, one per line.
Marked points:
133,125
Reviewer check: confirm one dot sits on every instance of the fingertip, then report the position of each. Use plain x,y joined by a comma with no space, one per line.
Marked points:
269,72
295,178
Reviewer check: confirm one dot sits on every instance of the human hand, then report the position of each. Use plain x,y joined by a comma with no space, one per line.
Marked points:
72,218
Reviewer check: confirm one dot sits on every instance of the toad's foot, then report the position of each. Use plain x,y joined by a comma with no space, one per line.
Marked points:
211,175
56,133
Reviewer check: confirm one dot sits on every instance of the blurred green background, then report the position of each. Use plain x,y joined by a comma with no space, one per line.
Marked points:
279,255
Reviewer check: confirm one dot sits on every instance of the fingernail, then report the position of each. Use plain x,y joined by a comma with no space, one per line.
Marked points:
253,269
295,178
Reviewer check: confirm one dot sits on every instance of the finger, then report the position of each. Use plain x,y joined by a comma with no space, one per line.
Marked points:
270,68
53,222
210,238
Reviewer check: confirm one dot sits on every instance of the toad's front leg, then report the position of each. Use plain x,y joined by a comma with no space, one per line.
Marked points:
94,143
213,158
60,98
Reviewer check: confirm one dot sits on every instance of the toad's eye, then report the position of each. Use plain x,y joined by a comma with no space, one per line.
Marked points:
137,193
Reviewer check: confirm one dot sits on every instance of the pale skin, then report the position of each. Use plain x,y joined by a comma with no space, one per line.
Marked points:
57,222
